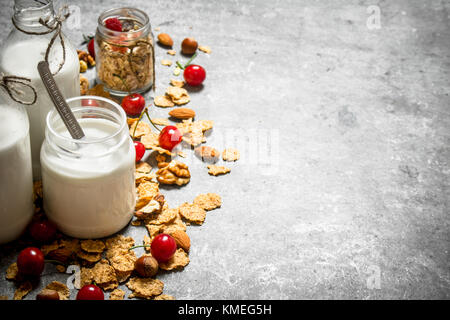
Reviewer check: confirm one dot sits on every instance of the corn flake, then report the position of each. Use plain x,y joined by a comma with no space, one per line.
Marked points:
192,213
179,260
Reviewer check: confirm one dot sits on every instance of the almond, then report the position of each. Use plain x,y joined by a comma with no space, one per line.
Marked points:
207,153
165,39
182,239
182,113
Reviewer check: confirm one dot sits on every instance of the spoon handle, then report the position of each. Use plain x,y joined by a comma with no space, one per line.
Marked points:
59,101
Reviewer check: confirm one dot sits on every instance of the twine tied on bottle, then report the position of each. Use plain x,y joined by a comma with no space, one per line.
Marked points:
59,18
13,84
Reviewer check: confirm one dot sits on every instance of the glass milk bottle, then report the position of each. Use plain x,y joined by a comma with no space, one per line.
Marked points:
88,184
16,181
25,46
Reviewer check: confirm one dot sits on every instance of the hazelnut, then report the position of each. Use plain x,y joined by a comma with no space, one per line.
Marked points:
146,266
48,294
189,46
165,39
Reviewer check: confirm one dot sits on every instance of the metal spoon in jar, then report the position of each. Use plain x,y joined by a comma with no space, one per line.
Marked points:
59,101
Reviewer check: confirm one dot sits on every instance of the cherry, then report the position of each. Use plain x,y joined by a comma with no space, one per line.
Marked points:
113,24
194,75
169,137
43,231
140,150
90,292
30,262
163,247
133,104
91,48
89,103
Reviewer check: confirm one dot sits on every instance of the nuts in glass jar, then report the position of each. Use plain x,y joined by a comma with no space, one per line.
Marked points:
125,60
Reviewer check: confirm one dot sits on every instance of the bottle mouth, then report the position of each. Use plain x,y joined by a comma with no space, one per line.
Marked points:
27,13
20,5
124,13
86,108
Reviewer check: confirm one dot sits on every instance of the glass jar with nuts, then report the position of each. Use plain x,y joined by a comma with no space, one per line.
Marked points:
125,59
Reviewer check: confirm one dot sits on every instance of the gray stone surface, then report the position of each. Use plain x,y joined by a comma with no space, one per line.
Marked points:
349,198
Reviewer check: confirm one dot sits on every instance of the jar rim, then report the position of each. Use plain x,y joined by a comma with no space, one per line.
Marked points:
105,14
48,3
120,129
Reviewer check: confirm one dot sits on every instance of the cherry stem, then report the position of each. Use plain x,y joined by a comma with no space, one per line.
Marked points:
139,246
145,111
55,262
187,63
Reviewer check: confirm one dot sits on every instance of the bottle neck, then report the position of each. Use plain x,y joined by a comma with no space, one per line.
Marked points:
27,14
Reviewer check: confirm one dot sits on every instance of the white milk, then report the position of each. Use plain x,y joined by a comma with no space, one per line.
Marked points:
16,182
90,196
21,59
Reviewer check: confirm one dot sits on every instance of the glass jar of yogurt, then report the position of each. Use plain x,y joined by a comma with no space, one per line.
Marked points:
88,184
16,180
20,53
125,60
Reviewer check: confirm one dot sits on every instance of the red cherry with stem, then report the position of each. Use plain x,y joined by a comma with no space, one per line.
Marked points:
163,247
194,75
169,137
43,231
30,262
90,292
140,150
133,104
91,48
113,24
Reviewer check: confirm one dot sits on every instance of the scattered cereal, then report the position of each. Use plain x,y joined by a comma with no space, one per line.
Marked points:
12,271
145,287
192,213
230,154
177,71
161,121
205,49
178,95
4,298
150,140
171,52
209,201
179,260
117,294
148,189
217,170
142,129
92,246
143,167
163,102
166,216
104,275
23,289
61,288
164,297
166,62
177,83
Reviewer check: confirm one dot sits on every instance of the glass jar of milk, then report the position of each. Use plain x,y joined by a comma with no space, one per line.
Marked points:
22,51
16,181
88,184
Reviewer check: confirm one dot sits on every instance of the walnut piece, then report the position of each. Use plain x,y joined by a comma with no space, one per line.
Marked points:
174,172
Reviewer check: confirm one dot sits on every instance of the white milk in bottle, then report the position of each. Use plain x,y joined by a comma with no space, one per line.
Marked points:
16,181
89,186
20,55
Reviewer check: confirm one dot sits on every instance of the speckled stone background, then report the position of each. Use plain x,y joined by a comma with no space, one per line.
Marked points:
343,186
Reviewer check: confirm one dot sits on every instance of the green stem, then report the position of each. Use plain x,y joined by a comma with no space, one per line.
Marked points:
139,246
137,122
187,63
149,119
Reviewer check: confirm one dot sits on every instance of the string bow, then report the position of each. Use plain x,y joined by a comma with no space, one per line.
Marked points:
56,26
13,84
